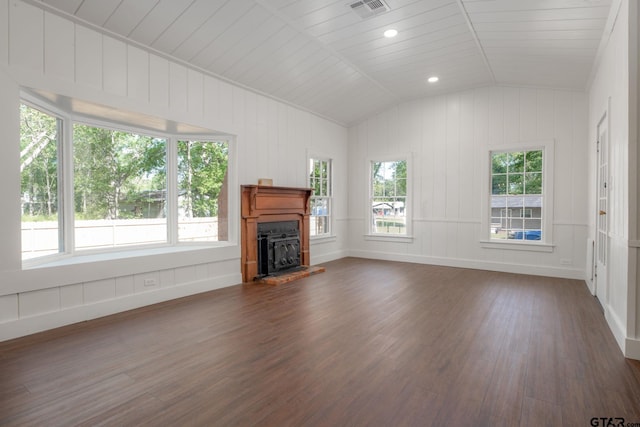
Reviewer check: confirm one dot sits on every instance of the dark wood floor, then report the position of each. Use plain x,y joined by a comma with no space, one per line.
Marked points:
366,343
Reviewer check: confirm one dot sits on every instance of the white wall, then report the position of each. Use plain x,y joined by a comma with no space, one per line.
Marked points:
43,51
449,137
612,90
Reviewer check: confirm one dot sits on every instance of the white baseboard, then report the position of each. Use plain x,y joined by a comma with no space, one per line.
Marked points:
332,256
565,273
632,348
616,326
31,325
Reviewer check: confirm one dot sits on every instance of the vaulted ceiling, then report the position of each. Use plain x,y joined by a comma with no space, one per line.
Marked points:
325,57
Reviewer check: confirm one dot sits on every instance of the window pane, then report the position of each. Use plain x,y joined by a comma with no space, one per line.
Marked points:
202,191
499,184
533,183
534,161
516,162
119,188
320,181
519,176
516,184
39,140
499,162
389,197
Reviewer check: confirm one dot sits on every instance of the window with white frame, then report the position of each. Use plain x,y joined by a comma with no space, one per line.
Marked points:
40,182
388,197
517,195
128,187
320,180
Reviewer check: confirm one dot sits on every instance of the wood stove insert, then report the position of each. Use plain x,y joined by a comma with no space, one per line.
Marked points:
266,204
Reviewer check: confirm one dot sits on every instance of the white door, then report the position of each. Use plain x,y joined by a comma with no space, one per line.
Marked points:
602,213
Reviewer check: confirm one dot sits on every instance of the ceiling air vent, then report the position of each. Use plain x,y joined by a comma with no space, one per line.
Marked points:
368,8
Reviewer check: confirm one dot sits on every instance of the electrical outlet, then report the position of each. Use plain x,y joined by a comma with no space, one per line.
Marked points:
150,282
565,261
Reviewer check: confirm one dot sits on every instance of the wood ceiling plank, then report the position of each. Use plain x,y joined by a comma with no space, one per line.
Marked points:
157,21
97,12
389,18
298,9
319,71
370,28
186,24
542,51
264,52
571,44
249,45
557,25
223,19
233,34
450,42
68,6
541,15
409,41
511,5
541,35
276,74
421,34
128,15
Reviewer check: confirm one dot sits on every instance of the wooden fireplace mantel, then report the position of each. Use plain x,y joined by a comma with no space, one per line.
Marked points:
268,204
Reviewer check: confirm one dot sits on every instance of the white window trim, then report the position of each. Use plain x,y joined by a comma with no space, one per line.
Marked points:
70,255
402,238
330,236
544,245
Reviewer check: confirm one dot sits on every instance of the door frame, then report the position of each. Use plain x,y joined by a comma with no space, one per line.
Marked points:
600,277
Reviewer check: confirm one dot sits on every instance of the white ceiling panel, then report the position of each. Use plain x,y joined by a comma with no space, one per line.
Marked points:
128,14
556,25
68,6
186,24
157,21
97,11
323,57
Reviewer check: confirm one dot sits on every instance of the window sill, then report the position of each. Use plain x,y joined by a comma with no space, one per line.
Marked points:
389,238
323,239
80,258
517,246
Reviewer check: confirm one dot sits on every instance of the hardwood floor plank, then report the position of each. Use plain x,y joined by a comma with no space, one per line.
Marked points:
365,343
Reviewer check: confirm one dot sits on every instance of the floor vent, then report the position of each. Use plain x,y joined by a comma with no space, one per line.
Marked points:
368,8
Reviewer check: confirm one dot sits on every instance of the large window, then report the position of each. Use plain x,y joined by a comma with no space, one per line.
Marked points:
40,186
202,190
120,188
124,187
388,197
320,181
517,196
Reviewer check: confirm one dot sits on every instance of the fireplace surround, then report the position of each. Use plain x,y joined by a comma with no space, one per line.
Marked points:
267,204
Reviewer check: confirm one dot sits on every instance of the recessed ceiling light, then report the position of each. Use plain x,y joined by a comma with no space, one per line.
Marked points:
390,33
433,79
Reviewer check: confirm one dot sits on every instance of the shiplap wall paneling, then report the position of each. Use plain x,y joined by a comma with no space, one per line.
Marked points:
178,89
137,74
27,41
88,57
158,81
114,66
38,302
124,286
71,296
195,90
59,50
4,34
564,160
582,145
